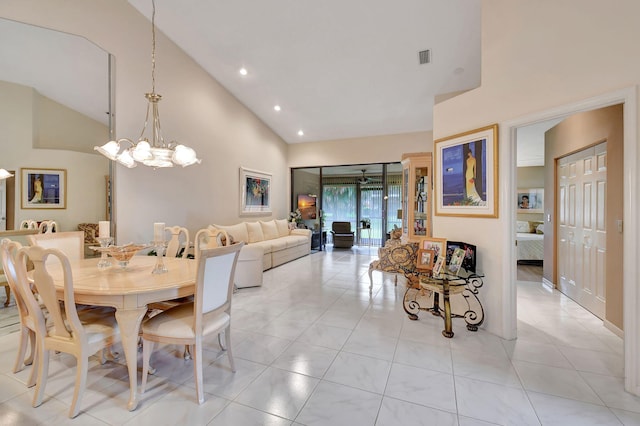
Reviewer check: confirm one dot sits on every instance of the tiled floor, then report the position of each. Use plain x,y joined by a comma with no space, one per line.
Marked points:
313,348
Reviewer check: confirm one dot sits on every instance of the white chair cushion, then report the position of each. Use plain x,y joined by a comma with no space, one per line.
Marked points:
283,227
269,230
255,232
178,323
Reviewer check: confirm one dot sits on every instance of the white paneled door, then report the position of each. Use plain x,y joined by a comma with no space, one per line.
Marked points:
581,240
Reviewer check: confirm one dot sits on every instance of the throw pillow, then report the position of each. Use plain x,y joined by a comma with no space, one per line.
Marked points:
269,230
255,232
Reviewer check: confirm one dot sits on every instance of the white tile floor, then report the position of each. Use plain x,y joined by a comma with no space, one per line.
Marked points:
312,348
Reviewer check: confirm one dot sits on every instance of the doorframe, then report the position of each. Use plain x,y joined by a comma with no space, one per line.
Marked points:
631,289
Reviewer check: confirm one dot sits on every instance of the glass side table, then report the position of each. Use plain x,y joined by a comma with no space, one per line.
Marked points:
466,284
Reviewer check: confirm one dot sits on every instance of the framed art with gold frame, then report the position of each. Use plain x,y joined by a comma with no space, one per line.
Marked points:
466,174
438,245
43,188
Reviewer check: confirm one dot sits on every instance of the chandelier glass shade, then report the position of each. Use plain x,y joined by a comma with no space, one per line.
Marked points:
4,174
154,151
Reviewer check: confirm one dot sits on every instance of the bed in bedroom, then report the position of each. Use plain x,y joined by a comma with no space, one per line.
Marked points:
530,242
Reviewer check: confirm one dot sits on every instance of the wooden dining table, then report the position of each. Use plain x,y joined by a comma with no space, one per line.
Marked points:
129,290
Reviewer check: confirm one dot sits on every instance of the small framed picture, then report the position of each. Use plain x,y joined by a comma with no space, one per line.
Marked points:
437,267
456,261
438,245
531,200
425,259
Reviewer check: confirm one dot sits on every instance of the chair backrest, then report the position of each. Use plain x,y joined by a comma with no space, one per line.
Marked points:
214,281
70,243
341,227
179,238
8,252
209,237
28,224
67,328
48,227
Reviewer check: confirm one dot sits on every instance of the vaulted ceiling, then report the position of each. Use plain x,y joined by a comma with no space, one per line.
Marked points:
337,69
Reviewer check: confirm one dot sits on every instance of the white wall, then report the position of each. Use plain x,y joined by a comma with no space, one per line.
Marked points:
85,172
195,109
535,56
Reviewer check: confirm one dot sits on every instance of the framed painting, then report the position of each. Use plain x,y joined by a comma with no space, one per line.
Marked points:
531,200
255,192
466,174
438,245
425,259
43,188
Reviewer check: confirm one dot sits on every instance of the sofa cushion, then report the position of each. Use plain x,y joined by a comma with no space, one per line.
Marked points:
255,232
278,244
237,232
283,227
269,230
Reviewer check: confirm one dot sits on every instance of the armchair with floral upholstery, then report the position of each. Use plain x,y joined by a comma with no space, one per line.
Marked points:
397,258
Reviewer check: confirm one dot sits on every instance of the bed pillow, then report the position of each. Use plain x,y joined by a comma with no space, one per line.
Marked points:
540,229
533,226
523,226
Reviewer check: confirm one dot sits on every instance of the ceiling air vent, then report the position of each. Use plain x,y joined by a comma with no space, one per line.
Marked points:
424,56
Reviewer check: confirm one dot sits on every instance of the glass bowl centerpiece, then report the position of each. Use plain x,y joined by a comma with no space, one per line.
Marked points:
123,254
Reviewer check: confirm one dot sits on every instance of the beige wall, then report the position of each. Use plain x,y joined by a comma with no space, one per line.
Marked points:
535,56
59,127
195,109
574,134
85,172
374,149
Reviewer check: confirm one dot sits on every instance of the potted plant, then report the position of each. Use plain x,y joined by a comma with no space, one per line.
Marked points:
365,223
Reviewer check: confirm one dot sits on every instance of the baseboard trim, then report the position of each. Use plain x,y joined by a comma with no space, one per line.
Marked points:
612,328
548,283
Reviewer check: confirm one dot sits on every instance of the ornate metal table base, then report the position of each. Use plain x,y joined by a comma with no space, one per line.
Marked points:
448,286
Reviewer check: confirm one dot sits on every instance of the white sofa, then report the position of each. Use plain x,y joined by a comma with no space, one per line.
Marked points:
279,244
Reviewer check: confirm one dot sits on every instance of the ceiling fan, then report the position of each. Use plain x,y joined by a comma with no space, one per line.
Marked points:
363,180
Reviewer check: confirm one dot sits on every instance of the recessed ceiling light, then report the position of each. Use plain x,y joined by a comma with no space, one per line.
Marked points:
277,108
300,133
243,71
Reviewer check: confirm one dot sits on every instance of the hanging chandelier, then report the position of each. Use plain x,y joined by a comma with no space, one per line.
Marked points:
4,174
154,152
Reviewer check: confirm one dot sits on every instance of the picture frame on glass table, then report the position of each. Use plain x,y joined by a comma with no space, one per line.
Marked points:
456,261
439,245
425,260
438,266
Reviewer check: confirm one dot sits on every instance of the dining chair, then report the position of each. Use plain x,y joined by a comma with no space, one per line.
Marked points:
209,313
209,237
8,251
78,333
179,238
70,243
48,227
29,224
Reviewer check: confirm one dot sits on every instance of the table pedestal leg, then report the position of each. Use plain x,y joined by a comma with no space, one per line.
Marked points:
448,329
129,322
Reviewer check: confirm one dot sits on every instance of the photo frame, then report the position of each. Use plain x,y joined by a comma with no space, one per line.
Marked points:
456,261
438,267
469,259
530,200
43,188
438,245
255,192
466,174
425,259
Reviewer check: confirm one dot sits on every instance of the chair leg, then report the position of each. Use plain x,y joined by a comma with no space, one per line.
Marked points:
227,338
7,291
222,346
82,365
42,356
32,341
22,349
370,280
187,352
147,349
197,369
